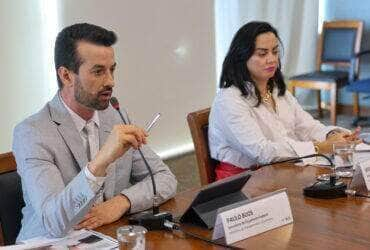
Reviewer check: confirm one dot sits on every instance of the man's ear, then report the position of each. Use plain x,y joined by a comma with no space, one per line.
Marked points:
65,76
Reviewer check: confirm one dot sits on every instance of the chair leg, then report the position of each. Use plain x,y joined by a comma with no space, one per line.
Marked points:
333,104
356,110
356,105
319,109
291,88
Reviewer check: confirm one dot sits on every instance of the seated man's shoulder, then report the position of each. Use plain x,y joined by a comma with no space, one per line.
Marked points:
35,121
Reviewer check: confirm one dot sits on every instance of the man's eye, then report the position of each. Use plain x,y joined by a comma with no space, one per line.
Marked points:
98,72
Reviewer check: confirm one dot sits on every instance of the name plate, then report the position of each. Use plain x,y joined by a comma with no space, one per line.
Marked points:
248,218
365,170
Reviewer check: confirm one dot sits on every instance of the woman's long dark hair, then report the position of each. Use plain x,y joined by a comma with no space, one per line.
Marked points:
234,69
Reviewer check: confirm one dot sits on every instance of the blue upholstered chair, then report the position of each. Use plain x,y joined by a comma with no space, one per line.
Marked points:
338,42
358,85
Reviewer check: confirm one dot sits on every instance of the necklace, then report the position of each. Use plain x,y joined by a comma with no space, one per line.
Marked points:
266,97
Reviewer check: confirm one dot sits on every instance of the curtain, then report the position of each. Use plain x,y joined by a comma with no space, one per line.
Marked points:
295,20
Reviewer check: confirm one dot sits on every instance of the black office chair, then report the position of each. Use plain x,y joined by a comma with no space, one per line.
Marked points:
358,85
338,41
11,199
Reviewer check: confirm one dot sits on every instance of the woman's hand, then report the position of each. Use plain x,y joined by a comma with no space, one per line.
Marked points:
354,136
326,147
349,136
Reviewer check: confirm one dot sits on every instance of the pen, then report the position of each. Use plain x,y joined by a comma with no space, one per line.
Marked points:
151,124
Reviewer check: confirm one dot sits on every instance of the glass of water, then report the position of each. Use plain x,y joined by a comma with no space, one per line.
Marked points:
131,237
343,158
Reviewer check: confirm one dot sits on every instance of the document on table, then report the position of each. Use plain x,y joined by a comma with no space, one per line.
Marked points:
81,239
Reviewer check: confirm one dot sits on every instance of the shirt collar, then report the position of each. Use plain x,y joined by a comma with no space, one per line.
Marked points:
78,120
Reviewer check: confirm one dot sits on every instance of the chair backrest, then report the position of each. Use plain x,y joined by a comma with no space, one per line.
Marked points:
338,42
11,199
198,124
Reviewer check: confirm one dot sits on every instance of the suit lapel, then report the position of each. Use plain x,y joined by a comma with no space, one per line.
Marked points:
66,127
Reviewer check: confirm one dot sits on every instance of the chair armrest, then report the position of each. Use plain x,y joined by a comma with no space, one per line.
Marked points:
353,75
361,53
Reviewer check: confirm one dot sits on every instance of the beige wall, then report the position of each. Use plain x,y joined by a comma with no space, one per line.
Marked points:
22,89
165,55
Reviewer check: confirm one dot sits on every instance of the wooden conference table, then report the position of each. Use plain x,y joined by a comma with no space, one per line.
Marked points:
342,223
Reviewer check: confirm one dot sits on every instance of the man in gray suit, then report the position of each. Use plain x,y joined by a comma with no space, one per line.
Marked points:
78,163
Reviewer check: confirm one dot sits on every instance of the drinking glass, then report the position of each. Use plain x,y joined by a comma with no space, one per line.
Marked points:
343,159
131,237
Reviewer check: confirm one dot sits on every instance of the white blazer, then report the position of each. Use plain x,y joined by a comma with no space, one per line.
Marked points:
244,135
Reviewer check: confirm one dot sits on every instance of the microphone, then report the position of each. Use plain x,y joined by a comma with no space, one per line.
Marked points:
154,220
115,104
327,189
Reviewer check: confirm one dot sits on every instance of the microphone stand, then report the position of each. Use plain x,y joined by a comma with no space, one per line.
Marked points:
254,168
327,189
153,220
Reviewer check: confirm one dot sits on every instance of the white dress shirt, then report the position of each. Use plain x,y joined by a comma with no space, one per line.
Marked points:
95,183
244,135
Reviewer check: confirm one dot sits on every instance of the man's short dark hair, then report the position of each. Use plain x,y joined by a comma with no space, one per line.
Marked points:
65,51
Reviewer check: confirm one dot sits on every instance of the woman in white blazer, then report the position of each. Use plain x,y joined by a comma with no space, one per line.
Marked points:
254,119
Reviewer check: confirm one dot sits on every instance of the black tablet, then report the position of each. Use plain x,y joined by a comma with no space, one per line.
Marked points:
203,210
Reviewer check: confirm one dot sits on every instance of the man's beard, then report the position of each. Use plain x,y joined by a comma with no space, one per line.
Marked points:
89,100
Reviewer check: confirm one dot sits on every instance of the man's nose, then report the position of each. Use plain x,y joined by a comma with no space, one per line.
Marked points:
110,80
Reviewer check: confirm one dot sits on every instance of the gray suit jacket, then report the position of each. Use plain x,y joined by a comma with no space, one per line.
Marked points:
50,155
